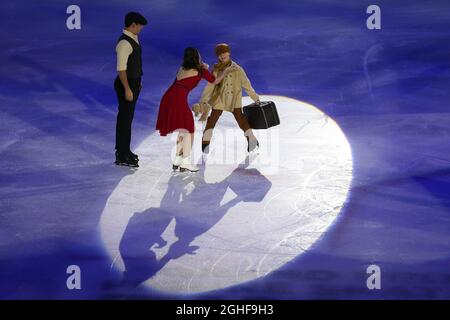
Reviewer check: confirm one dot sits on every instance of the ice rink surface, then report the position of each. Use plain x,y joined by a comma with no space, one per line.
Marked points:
241,216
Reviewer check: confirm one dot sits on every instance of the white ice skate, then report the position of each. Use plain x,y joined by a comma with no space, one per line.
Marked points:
186,165
252,147
176,162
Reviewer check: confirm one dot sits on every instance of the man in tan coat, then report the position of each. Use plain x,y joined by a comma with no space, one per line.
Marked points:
227,96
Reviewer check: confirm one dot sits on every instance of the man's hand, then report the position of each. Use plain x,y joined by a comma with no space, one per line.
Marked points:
128,94
124,80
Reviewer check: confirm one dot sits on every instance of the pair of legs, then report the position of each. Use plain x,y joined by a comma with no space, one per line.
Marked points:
125,115
238,116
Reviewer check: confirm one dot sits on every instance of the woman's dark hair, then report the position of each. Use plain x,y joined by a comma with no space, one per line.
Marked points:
191,59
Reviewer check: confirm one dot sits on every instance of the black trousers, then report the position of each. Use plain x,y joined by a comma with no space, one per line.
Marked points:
125,114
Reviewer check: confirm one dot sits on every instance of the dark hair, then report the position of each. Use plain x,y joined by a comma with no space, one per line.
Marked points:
191,59
135,17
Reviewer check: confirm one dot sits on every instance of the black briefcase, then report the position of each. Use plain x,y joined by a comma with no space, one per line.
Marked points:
262,115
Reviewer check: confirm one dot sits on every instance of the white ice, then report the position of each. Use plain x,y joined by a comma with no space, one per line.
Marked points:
237,219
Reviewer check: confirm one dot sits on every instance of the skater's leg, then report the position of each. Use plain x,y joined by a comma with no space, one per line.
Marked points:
120,92
243,123
245,127
124,119
134,86
183,145
210,124
179,152
129,120
187,140
179,145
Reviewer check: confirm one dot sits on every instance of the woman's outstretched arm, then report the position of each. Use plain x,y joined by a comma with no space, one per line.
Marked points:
215,79
223,74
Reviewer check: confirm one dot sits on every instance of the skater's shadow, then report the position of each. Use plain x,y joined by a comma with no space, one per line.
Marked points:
196,207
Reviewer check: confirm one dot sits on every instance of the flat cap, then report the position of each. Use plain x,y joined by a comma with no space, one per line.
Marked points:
135,17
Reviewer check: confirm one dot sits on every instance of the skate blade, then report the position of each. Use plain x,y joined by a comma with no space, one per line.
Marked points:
187,170
123,164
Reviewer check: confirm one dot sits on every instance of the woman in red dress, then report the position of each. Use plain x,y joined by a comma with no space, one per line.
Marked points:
174,111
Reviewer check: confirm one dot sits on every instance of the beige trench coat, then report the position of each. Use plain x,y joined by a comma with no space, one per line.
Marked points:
227,95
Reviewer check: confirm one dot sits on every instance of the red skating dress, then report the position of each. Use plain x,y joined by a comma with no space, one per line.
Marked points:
174,111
